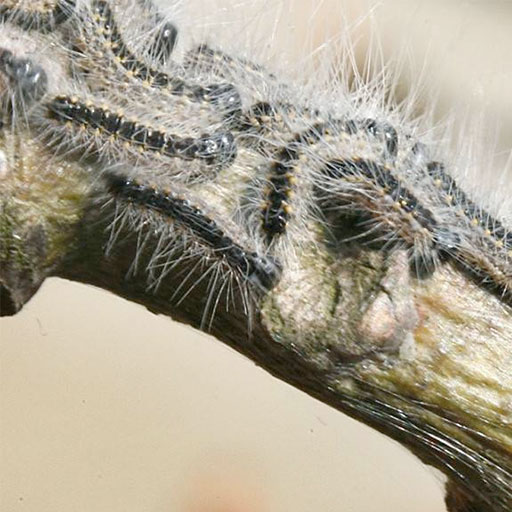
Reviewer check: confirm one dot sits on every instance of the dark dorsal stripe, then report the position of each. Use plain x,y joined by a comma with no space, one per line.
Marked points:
260,270
217,148
276,209
376,173
223,95
471,211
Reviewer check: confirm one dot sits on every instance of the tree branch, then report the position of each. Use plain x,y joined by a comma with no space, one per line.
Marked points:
426,361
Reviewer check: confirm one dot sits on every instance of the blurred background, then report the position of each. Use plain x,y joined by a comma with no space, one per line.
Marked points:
107,407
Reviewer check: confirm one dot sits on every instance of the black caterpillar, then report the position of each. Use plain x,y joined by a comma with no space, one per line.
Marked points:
215,148
224,95
262,271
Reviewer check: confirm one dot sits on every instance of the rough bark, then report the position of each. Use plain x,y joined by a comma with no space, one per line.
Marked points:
426,361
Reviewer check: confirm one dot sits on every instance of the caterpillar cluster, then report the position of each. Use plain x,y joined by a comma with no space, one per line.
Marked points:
170,134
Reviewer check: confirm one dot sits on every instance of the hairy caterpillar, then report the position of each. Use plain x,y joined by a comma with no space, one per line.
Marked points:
113,52
347,189
209,148
191,231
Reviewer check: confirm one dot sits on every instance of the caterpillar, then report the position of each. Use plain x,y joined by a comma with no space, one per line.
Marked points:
474,215
276,209
248,75
223,95
260,269
27,80
394,208
486,250
215,148
185,230
166,37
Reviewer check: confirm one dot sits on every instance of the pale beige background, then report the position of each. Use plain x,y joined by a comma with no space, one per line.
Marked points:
106,407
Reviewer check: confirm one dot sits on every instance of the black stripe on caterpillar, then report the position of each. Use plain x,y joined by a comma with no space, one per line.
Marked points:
476,216
261,271
370,188
277,208
223,95
212,149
